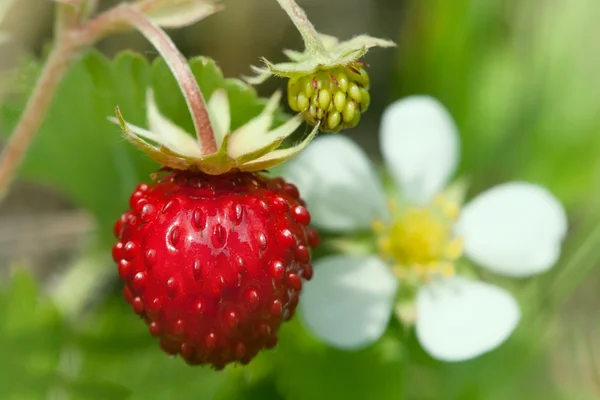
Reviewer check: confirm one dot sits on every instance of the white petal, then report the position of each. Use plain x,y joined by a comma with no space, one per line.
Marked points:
180,13
257,126
220,116
420,144
459,319
170,135
141,132
338,183
349,301
514,229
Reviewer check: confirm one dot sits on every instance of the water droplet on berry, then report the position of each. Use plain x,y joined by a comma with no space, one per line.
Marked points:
173,239
148,212
231,319
198,219
301,215
294,281
279,204
276,308
154,329
150,257
197,270
307,272
262,240
117,251
171,205
133,220
179,327
135,197
139,282
239,262
118,227
264,208
200,307
276,269
172,287
301,254
138,305
130,250
186,350
251,297
219,236
124,269
210,341
291,190
154,306
239,213
287,239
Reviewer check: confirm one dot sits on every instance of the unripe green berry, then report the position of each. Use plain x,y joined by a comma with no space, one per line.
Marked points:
308,87
342,80
324,99
365,100
354,92
334,97
302,102
339,100
334,120
349,111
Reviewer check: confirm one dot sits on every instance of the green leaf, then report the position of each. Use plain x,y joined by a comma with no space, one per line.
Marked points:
77,149
39,358
31,335
306,369
116,346
80,152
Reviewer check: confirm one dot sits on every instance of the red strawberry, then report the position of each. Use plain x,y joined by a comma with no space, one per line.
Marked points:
214,263
213,254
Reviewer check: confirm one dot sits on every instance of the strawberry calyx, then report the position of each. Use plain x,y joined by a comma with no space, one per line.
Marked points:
321,53
255,146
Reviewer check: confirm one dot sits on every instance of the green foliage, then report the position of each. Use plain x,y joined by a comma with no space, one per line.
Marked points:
525,98
80,152
305,369
116,346
37,358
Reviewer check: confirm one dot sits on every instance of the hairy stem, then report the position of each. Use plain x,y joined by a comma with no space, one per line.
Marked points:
309,34
56,67
68,43
182,72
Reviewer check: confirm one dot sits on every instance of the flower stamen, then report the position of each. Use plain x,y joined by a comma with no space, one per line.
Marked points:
420,241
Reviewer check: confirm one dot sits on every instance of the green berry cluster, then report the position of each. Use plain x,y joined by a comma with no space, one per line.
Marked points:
334,97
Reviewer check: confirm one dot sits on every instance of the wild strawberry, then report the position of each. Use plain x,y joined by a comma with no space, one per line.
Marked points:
214,254
214,263
335,98
327,82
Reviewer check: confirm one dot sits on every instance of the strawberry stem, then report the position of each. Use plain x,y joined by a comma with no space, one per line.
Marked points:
182,73
71,37
309,34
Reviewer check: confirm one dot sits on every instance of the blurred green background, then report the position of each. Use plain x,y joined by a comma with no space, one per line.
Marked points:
521,79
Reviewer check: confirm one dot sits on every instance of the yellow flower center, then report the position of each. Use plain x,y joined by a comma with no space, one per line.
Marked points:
420,241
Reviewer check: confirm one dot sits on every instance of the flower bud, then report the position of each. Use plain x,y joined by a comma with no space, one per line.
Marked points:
335,97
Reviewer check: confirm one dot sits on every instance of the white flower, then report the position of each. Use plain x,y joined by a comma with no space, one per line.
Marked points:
515,229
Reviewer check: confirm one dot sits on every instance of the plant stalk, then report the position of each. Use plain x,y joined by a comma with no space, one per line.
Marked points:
71,40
